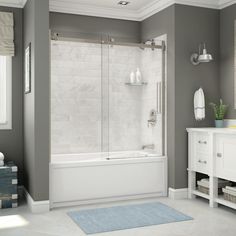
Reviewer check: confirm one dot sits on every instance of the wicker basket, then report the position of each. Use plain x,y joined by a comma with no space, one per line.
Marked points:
203,189
229,197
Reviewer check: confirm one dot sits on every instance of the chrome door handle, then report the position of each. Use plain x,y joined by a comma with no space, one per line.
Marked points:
159,97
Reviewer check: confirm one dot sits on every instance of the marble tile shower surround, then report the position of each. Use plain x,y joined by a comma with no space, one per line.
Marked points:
78,123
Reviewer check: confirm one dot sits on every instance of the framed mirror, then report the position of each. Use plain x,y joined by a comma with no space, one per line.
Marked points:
28,69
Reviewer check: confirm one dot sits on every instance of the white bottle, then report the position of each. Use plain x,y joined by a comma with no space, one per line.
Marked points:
138,76
132,77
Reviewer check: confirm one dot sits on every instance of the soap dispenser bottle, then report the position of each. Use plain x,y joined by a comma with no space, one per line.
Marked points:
132,77
138,76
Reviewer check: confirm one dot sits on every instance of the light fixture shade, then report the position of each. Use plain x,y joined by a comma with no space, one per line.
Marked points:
205,57
202,55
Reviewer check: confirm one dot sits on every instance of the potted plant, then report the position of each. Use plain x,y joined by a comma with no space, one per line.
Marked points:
219,111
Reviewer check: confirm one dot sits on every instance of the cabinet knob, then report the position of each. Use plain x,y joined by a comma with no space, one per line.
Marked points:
219,155
202,142
203,162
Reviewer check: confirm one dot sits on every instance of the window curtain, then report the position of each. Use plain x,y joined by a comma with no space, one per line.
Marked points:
7,47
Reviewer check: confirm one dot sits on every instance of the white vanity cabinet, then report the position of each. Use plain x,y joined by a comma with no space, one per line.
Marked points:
211,151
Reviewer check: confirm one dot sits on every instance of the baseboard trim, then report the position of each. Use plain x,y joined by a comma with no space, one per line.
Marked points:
177,194
106,200
21,191
36,206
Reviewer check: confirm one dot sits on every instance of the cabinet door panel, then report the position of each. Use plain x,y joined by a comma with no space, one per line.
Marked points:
226,156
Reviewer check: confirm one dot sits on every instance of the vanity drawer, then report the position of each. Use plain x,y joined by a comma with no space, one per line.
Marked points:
201,143
200,148
201,163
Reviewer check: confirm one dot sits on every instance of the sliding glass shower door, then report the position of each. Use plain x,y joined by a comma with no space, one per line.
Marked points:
106,97
136,98
76,96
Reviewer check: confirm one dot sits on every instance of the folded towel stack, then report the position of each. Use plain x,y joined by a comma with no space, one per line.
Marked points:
230,194
230,190
1,159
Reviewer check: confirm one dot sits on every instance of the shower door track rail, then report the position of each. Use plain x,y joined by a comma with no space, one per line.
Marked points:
112,43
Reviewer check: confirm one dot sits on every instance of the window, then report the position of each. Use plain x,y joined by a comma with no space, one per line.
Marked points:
235,64
5,92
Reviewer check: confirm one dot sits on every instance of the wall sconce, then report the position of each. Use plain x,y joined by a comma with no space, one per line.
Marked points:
202,56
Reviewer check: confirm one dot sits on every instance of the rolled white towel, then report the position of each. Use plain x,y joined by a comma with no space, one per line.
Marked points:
1,163
199,105
1,156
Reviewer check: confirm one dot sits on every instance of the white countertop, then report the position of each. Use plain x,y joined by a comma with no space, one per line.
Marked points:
213,130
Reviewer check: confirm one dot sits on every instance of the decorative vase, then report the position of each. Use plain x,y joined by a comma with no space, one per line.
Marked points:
219,123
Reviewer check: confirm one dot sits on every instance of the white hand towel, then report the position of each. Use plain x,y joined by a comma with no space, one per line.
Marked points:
199,104
1,156
195,105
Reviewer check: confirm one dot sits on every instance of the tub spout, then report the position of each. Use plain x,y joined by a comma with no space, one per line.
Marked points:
149,146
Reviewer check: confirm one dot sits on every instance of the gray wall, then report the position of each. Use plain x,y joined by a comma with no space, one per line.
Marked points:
11,141
164,23
186,27
70,25
227,18
36,103
192,26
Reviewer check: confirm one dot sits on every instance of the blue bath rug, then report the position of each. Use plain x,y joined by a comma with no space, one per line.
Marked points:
125,217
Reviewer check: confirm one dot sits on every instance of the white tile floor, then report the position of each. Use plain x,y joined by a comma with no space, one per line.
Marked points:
207,221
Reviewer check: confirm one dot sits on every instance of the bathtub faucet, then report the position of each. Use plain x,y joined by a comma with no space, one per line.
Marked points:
149,146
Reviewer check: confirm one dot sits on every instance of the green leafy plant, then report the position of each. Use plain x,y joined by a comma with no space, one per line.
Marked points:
219,110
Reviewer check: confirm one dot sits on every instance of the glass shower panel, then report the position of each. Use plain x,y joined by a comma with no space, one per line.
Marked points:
125,100
152,102
105,96
76,102
135,115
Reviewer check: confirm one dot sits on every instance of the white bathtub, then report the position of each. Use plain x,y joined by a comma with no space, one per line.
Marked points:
98,177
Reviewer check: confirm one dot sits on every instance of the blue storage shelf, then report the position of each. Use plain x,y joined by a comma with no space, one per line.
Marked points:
8,186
